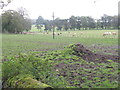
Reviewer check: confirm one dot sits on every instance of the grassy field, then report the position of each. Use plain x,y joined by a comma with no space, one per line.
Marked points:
14,44
37,52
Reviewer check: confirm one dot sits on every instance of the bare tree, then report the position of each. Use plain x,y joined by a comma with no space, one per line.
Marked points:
4,3
22,11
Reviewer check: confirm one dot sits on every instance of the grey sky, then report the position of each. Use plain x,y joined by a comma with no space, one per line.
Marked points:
66,8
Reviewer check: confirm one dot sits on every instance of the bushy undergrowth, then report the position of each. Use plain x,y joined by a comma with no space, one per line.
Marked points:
62,69
39,69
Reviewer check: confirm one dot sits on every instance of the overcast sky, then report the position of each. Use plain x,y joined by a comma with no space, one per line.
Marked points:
65,8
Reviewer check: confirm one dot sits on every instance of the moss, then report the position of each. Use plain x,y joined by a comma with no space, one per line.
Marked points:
25,81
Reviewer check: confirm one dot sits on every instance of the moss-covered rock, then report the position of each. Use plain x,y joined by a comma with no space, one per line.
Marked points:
25,81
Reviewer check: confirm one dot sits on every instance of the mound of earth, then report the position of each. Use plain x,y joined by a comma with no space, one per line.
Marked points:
88,55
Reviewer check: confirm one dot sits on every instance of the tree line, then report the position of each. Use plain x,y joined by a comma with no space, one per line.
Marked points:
79,23
19,21
15,21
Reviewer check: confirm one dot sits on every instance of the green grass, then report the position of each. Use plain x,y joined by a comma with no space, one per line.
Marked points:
14,44
41,52
0,58
43,67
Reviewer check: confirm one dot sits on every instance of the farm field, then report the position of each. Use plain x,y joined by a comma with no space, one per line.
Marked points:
56,62
14,44
69,47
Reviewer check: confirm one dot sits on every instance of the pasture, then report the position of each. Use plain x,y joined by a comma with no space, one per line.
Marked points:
36,52
16,43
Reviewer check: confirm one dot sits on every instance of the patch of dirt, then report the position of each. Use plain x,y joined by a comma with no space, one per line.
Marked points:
102,49
88,55
82,72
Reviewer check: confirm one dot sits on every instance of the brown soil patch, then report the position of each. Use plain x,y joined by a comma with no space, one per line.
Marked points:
88,55
78,71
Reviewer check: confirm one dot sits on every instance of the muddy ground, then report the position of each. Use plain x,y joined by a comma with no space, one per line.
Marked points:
88,55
